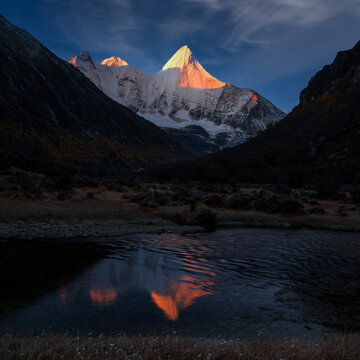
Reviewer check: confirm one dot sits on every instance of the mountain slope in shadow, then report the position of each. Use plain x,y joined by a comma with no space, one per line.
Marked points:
317,142
49,111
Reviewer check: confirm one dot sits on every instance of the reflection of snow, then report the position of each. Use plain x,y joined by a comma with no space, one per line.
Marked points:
156,273
183,293
102,297
62,293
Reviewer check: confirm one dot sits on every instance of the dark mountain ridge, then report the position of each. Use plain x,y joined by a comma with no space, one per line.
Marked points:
318,142
49,111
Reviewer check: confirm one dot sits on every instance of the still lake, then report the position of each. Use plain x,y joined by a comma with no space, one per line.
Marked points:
234,282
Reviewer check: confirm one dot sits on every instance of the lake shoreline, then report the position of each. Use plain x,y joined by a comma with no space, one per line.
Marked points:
53,229
315,222
106,209
96,228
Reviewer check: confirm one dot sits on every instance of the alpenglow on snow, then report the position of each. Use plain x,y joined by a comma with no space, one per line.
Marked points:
183,99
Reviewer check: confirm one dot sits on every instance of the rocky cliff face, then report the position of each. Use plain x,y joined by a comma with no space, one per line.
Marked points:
184,96
50,111
344,69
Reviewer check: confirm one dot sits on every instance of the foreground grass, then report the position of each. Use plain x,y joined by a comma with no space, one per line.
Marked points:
172,347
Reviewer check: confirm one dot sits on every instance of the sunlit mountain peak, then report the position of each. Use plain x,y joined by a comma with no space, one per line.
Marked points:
254,97
181,58
114,61
183,93
192,74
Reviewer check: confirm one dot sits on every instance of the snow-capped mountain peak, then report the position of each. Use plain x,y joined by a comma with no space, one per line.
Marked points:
192,74
183,57
186,101
114,61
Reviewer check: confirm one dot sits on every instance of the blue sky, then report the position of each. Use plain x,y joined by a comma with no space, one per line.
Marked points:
272,46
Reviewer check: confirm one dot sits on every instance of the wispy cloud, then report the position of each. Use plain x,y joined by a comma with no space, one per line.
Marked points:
254,41
105,26
213,4
178,28
256,21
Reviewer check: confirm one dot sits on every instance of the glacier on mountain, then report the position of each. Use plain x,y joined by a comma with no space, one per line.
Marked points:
184,100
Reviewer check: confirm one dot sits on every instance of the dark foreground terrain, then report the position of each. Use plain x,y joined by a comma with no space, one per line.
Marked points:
173,347
40,206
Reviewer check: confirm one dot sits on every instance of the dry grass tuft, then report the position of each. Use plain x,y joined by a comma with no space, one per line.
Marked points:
173,347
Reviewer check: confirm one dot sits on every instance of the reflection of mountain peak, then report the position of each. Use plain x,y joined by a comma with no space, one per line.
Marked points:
102,297
183,293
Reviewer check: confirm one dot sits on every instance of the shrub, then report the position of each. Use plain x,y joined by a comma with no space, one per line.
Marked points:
238,202
48,184
90,195
177,218
291,207
83,181
38,194
207,219
3,187
61,196
317,210
355,196
137,197
161,198
213,200
341,211
193,206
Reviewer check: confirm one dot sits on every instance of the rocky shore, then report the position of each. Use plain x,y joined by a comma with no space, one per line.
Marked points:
55,229
65,229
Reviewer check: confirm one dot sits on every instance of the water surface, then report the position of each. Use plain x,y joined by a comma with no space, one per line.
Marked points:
242,282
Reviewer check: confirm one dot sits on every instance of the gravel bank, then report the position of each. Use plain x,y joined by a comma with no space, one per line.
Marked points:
55,229
65,229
